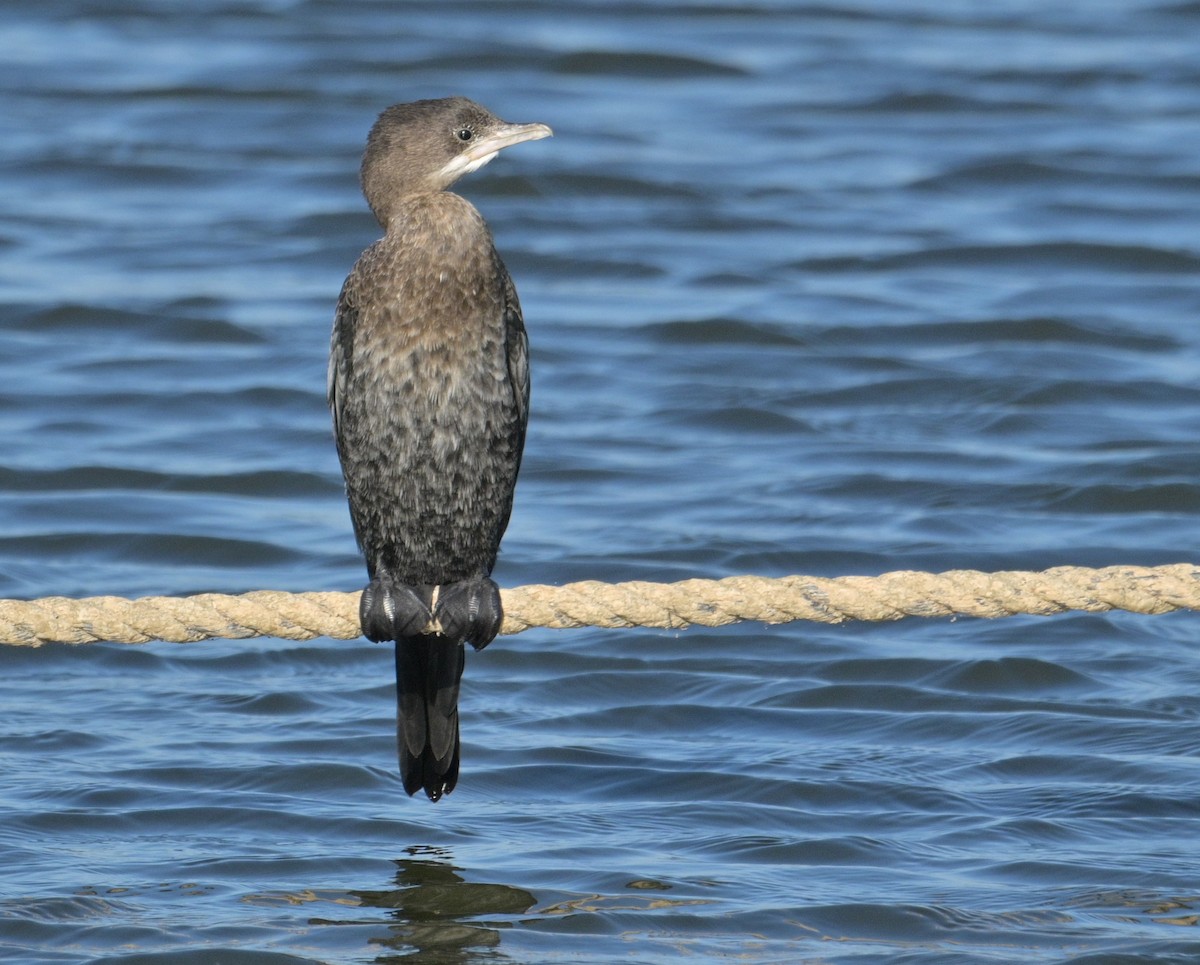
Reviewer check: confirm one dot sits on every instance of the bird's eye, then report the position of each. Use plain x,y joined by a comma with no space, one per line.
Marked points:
465,134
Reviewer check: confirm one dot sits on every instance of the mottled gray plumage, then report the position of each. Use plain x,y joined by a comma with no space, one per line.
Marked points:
429,389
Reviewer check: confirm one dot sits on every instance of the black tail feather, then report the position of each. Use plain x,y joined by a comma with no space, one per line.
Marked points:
428,670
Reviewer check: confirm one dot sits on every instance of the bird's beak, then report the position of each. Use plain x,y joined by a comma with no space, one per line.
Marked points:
507,136
486,148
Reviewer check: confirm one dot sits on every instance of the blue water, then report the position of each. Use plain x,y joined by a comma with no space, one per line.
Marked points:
825,288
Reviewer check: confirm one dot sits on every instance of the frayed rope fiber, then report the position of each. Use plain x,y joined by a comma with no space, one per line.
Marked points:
710,603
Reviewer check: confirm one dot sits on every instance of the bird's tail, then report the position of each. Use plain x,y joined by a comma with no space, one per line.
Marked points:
428,670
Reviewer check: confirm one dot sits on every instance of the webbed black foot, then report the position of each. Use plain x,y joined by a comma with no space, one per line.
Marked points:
390,610
470,611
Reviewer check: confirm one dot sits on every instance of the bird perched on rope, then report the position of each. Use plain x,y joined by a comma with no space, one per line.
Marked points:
429,389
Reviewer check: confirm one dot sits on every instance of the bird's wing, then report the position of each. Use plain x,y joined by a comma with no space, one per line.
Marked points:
344,323
517,347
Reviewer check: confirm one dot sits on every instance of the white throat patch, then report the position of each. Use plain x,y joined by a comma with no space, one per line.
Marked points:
459,166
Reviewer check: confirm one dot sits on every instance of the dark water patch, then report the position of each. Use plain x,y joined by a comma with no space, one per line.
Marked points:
1167,498
726,279
137,12
203,332
119,479
735,418
91,658
577,266
79,320
647,65
1036,330
1187,9
908,489
499,57
313,777
211,822
886,698
936,102
73,908
581,475
591,182
1147,953
161,548
818,560
1094,871
225,93
1017,171
721,331
56,741
928,393
139,397
123,174
853,850
1062,255
279,658
1131,392
1013,675
965,930
1060,77
1073,726
352,226
266,705
214,954
528,191
73,317
1068,768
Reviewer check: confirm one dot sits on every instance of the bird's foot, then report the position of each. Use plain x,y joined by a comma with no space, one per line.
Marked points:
470,611
389,610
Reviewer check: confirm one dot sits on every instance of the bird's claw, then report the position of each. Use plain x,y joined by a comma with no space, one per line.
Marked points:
470,611
390,610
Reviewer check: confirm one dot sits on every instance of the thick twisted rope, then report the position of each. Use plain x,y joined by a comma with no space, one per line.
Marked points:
710,603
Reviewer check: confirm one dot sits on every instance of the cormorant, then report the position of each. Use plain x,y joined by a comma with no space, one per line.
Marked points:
429,389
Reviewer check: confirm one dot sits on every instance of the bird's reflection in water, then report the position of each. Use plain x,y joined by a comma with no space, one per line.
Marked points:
438,916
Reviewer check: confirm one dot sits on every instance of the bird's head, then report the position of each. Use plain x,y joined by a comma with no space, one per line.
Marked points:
425,146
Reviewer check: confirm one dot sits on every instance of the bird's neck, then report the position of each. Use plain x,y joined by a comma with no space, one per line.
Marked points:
436,209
